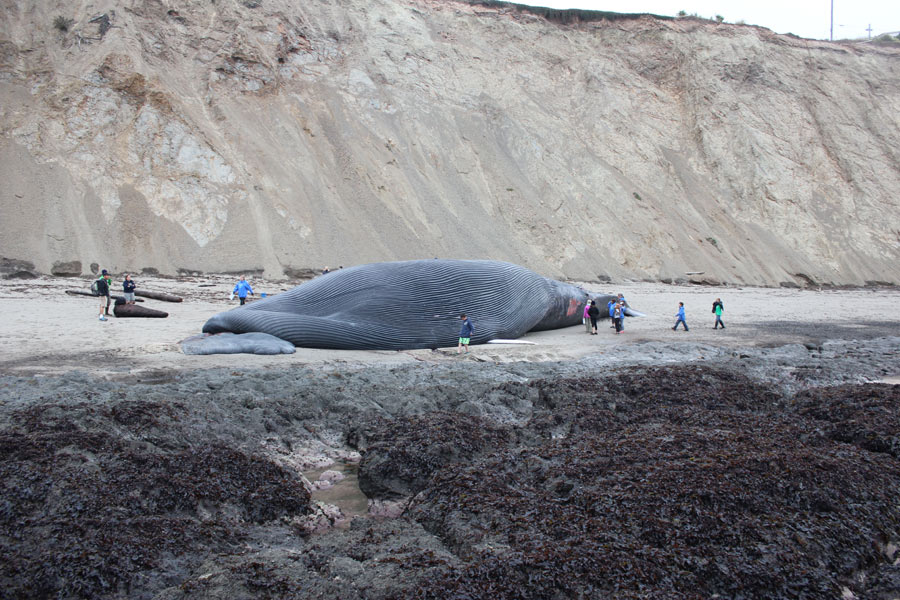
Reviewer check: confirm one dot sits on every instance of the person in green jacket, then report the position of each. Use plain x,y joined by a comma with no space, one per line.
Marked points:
103,291
718,309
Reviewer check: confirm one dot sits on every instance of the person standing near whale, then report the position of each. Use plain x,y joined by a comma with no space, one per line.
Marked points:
619,316
465,334
594,314
620,299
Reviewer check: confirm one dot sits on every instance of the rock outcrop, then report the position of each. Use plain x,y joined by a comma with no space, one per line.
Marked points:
229,136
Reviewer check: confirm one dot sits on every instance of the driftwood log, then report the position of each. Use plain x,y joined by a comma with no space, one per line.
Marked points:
121,309
92,295
158,296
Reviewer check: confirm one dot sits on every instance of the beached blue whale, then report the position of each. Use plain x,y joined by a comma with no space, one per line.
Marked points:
411,304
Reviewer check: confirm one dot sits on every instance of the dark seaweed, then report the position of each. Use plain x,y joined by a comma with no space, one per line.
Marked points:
650,482
90,514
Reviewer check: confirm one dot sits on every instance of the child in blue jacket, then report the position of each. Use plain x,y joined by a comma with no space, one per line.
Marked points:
679,317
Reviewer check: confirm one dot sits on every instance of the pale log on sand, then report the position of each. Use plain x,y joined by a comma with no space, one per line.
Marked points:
158,296
92,295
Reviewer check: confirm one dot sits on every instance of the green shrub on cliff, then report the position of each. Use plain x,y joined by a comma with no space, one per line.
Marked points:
62,23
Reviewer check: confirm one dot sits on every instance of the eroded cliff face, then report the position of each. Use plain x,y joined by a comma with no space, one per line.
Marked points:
273,135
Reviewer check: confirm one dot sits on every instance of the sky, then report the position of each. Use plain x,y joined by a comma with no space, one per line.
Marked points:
806,18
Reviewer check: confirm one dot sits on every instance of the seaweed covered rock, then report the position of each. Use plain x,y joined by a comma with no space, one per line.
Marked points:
867,416
527,481
691,494
404,453
573,406
100,512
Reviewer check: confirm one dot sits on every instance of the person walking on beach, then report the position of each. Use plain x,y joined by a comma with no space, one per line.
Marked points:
585,317
128,289
242,288
465,333
679,317
718,309
593,314
103,292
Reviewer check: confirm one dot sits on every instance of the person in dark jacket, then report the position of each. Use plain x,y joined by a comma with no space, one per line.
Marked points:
593,314
128,289
465,333
103,292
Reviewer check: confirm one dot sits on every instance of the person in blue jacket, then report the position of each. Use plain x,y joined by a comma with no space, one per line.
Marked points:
465,334
621,300
242,289
679,317
611,307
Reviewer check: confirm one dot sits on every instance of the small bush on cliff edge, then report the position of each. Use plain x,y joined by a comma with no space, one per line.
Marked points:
62,23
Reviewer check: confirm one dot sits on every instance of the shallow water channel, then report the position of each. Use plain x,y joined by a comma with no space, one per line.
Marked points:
345,493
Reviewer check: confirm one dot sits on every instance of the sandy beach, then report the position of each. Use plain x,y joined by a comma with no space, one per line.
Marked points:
49,332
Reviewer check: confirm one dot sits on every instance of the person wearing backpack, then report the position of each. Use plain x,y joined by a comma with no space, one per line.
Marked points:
102,287
718,308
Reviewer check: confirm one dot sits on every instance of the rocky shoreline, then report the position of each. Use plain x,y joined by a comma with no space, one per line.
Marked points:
671,470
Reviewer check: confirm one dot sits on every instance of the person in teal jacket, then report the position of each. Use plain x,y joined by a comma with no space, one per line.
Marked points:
242,289
718,309
679,317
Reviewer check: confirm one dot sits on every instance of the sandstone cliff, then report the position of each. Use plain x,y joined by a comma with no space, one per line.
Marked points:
225,135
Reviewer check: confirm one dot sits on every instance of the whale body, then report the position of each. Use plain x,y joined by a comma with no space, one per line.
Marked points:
410,304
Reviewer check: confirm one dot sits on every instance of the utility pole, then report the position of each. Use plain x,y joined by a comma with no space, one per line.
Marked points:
870,31
832,20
